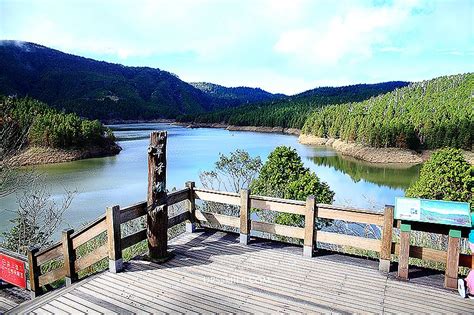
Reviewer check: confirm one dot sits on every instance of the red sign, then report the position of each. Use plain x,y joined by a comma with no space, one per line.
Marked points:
12,270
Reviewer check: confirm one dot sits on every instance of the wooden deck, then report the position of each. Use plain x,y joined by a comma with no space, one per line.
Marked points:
212,273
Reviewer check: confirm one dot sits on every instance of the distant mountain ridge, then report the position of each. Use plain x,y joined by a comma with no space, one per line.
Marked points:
292,111
98,89
240,94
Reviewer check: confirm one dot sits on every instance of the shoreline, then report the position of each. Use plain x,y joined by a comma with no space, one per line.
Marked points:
42,155
375,155
288,131
361,152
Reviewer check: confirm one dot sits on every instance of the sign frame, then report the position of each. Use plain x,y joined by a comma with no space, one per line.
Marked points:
13,269
451,213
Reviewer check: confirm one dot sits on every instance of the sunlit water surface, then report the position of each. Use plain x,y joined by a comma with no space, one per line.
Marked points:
122,179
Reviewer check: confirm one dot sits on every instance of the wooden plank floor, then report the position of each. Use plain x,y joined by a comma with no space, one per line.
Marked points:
212,273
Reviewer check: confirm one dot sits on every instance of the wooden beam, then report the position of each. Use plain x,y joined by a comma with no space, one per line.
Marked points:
245,216
114,238
309,234
96,255
69,257
132,212
133,239
177,219
434,228
90,231
50,253
452,260
404,255
218,219
34,272
387,236
51,276
278,229
423,253
191,206
178,196
276,204
157,216
349,240
466,261
217,196
350,215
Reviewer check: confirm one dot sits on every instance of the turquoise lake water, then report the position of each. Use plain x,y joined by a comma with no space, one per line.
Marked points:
122,179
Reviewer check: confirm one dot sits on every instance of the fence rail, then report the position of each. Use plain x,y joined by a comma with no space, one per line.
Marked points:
63,255
68,265
385,247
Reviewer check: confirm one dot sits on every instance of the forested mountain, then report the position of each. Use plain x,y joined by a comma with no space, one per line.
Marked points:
102,90
236,95
291,112
29,122
423,115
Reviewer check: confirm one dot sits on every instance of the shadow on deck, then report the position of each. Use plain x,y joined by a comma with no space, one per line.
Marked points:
212,273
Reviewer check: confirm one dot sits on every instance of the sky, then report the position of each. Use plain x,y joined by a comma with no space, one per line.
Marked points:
280,46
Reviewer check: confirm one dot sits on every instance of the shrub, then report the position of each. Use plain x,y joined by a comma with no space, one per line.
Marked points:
445,176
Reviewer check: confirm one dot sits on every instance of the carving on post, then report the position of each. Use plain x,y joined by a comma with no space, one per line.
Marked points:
157,216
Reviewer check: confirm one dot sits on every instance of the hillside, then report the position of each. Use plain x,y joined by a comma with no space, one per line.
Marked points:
236,95
291,112
28,124
102,90
424,115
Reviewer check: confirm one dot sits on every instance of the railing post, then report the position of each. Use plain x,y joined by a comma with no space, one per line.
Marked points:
69,257
157,203
34,272
245,216
452,260
191,203
309,239
404,254
114,238
386,245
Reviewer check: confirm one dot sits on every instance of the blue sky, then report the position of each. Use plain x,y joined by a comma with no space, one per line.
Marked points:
281,46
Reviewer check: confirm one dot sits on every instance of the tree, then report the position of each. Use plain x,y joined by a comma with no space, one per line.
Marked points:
445,176
284,176
37,218
231,173
283,167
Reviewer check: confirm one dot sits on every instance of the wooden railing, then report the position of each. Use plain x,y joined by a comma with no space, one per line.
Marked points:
62,256
385,247
309,209
110,225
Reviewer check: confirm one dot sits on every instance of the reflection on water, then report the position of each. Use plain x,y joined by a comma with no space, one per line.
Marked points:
122,179
394,176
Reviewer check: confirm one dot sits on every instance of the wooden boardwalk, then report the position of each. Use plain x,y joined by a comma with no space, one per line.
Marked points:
212,273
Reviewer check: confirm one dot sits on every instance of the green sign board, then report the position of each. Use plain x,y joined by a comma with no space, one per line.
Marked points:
433,211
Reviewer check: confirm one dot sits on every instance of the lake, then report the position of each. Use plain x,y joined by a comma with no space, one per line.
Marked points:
122,179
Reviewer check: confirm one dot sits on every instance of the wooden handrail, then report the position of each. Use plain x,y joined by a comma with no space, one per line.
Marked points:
245,201
132,212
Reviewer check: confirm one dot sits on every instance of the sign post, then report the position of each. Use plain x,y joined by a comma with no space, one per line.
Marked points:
451,213
157,215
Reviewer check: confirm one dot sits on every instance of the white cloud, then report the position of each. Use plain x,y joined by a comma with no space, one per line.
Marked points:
280,45
352,34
